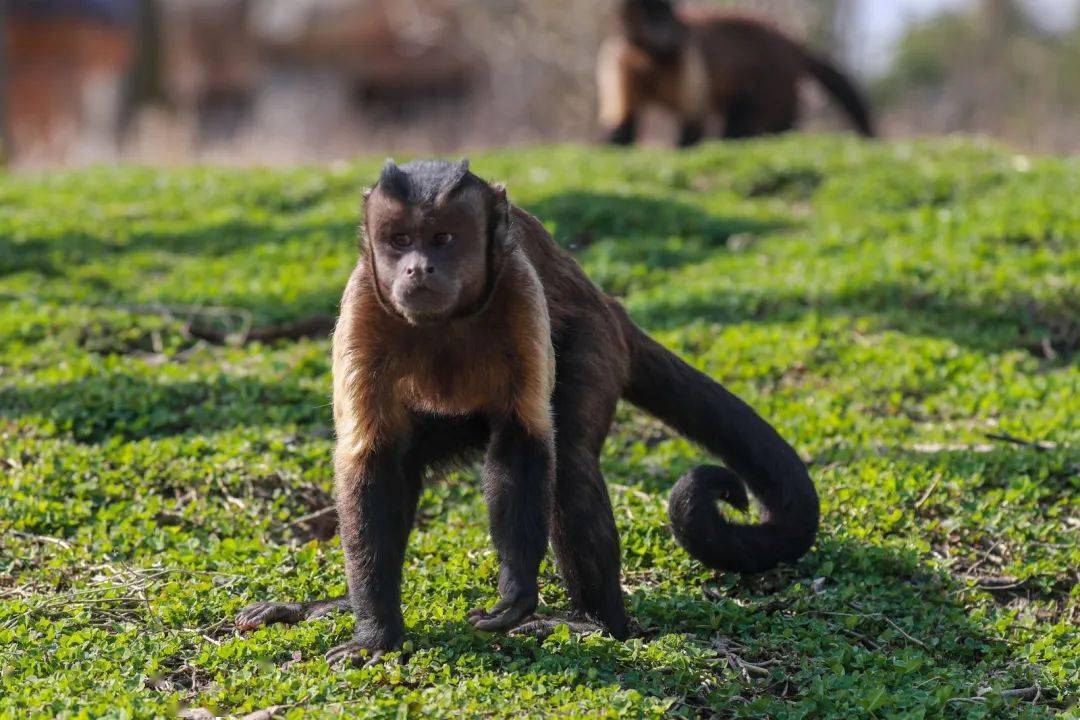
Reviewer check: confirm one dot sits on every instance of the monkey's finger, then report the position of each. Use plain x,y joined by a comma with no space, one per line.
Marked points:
483,613
499,623
267,613
324,608
504,620
352,653
476,617
342,653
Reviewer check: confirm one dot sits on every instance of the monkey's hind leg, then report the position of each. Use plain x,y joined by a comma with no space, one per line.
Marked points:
690,132
624,133
587,550
584,536
740,120
267,613
618,99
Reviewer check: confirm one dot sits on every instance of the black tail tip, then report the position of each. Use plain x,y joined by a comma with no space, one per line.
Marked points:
707,484
703,531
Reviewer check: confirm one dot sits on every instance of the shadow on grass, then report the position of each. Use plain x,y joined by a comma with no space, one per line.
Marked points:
580,218
996,325
51,256
1043,482
857,628
48,256
127,407
639,225
881,630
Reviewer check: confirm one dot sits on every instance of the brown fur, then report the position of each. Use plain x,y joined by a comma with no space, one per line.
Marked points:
384,368
742,69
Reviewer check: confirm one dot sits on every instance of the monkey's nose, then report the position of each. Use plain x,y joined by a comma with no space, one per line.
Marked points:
423,270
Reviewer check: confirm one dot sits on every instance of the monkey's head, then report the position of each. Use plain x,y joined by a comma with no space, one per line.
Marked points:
653,26
435,237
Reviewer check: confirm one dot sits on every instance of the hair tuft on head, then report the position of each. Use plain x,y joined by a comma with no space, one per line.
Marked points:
454,177
394,181
424,182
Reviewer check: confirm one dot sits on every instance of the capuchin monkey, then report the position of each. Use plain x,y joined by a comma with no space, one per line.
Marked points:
697,61
465,328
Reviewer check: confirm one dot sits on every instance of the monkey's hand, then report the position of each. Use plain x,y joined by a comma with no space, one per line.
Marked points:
289,613
268,613
515,606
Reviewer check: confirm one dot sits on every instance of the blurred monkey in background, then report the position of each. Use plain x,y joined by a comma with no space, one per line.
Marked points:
696,62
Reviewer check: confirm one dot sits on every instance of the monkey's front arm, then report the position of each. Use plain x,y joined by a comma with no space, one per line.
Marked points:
518,481
376,504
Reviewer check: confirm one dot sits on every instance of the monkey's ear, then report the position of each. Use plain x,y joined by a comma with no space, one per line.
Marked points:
500,216
361,230
362,243
502,239
499,191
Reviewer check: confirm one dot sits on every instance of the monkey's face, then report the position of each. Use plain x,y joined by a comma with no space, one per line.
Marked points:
430,261
653,26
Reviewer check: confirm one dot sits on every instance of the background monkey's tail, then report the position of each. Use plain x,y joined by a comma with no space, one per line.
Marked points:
703,411
842,89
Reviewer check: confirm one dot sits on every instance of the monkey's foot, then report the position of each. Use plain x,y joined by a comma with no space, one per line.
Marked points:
353,653
267,613
505,615
541,627
623,134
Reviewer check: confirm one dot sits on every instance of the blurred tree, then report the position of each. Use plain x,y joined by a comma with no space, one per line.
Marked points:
5,134
144,84
986,69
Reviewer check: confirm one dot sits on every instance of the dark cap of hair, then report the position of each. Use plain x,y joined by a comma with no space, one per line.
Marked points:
423,182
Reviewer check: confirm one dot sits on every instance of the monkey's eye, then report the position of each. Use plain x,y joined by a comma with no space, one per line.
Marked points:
442,239
401,240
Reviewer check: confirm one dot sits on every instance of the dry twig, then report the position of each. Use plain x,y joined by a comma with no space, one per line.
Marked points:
1006,437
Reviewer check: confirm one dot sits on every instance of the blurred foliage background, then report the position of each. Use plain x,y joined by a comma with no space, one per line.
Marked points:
279,81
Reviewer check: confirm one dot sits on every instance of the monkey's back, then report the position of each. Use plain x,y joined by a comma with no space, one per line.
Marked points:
745,56
576,306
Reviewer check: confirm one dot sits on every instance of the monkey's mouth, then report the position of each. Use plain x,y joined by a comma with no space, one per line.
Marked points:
424,303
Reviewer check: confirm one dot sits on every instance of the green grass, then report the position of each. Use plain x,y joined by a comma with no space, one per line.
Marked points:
889,307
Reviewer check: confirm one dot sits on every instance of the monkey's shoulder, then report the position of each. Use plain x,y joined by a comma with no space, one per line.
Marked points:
618,55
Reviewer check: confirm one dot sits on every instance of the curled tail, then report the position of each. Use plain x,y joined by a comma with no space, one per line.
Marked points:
703,411
841,88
